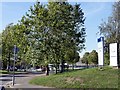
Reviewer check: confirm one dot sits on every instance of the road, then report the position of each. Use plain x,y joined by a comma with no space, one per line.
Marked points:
21,80
4,78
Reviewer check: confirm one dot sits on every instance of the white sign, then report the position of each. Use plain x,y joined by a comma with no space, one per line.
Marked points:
101,51
113,54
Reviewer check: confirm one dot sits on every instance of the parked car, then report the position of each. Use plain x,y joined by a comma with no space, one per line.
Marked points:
11,68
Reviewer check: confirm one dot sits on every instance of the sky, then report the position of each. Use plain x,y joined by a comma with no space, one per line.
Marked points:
95,13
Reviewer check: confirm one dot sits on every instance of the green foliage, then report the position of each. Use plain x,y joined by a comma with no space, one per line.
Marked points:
106,58
93,57
90,58
85,58
47,34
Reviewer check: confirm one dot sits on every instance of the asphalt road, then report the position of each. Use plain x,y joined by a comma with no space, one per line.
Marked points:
4,78
21,80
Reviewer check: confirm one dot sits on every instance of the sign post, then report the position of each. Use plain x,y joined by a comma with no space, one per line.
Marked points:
15,54
101,51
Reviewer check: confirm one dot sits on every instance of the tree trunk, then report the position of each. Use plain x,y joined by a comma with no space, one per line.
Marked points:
56,69
62,66
47,70
67,67
87,63
72,66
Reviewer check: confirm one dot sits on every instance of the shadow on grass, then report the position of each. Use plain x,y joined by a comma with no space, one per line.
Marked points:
78,69
72,70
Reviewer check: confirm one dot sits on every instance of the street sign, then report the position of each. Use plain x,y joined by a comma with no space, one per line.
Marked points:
16,49
100,51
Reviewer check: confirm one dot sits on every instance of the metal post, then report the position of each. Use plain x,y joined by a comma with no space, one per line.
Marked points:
14,65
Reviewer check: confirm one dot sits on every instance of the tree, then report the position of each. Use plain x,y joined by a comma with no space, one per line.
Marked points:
68,32
93,57
111,29
85,58
7,45
12,35
47,33
0,50
36,30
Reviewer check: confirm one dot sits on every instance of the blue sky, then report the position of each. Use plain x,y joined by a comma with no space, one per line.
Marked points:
95,12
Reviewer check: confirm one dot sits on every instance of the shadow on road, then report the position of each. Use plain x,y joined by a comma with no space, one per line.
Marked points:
36,72
15,76
5,79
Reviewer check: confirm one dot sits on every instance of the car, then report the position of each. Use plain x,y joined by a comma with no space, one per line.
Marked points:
11,68
39,70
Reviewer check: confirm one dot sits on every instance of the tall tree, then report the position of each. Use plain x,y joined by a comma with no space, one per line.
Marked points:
69,31
47,33
36,30
12,35
111,29
0,50
7,45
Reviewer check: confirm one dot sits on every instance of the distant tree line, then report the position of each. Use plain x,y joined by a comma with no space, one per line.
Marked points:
52,33
90,58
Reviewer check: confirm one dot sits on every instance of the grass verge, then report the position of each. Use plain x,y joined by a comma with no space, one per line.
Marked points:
87,78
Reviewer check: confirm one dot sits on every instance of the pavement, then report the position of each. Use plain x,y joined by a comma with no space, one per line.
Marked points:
21,80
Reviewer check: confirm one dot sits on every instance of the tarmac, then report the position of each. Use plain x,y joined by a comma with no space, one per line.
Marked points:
22,81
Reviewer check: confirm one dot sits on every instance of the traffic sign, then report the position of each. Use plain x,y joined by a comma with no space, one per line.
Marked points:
16,49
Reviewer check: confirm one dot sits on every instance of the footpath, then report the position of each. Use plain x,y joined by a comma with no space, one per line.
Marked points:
22,81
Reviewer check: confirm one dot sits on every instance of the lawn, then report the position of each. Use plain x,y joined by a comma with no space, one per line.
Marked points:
86,78
4,72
